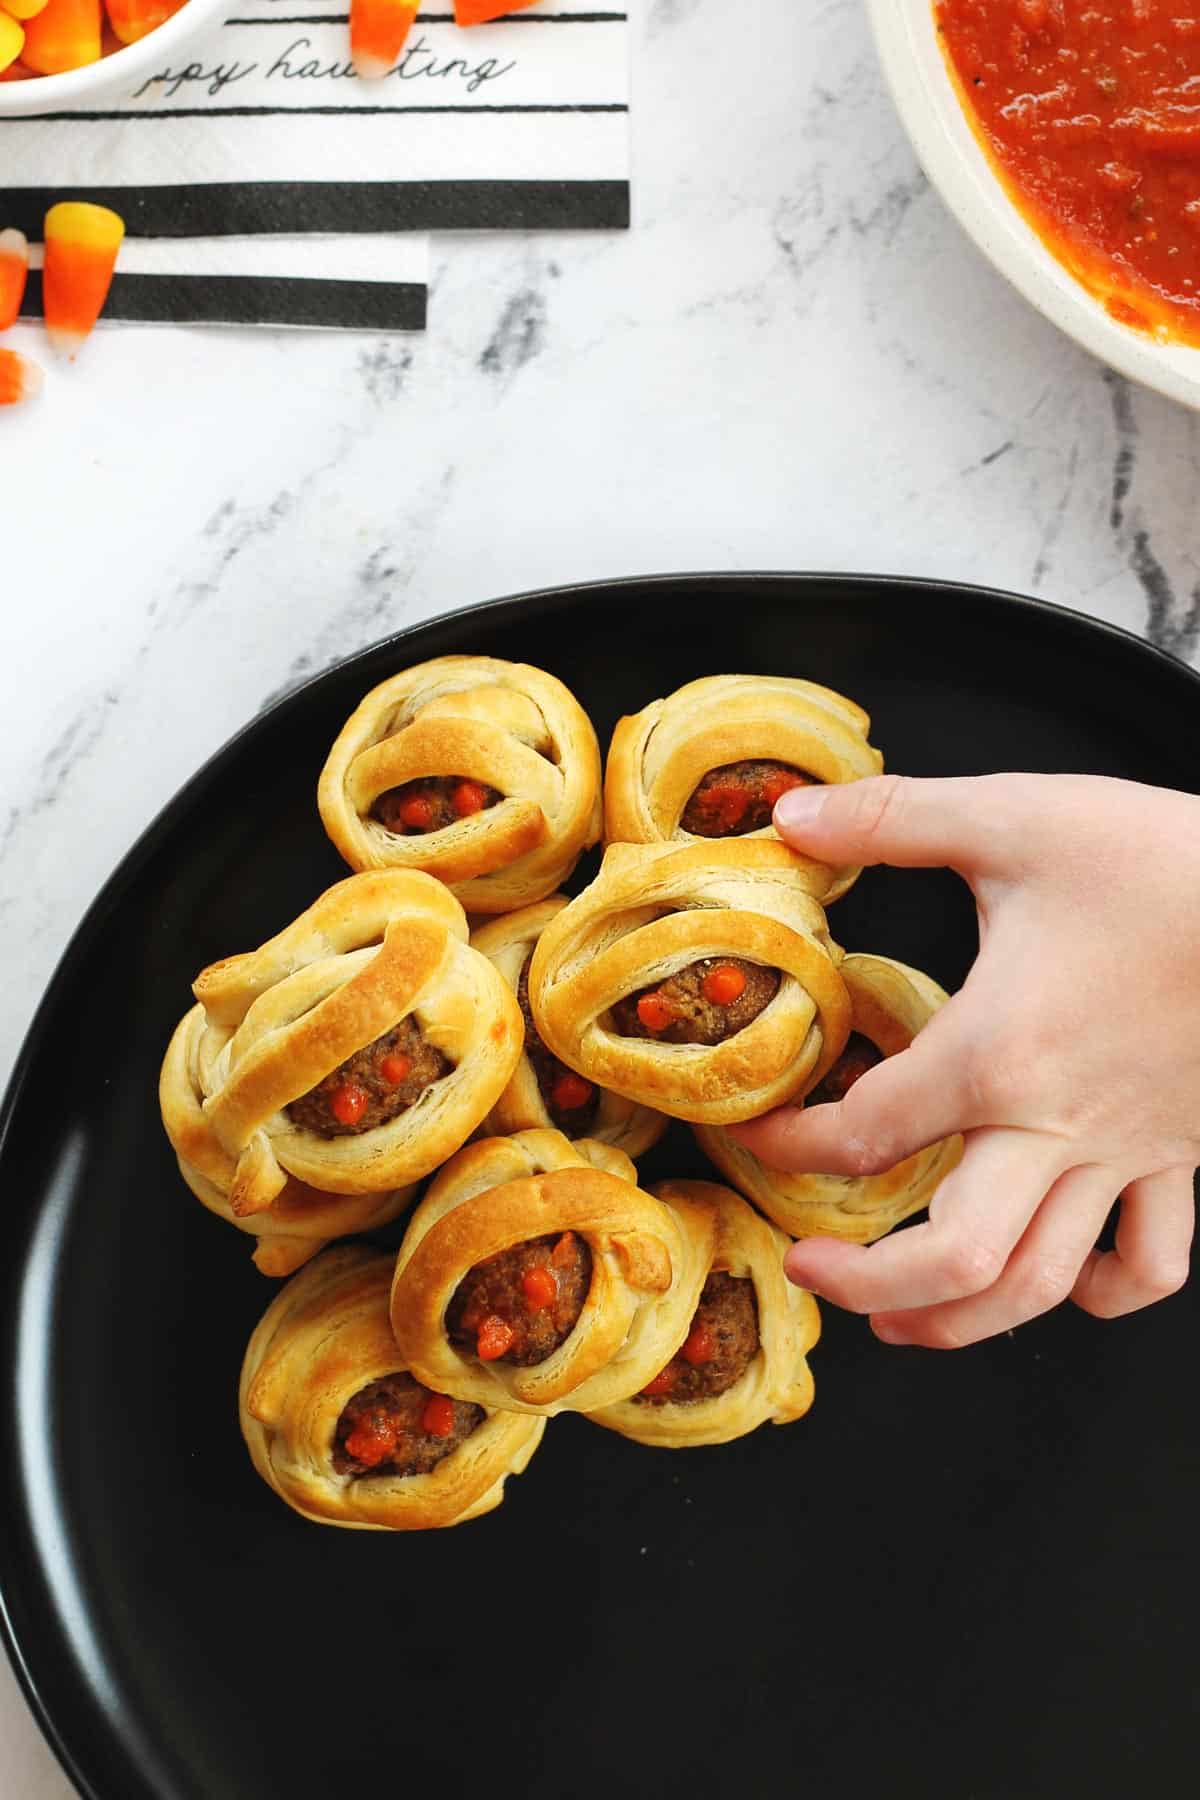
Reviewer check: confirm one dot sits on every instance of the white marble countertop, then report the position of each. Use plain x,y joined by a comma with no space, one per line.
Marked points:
795,360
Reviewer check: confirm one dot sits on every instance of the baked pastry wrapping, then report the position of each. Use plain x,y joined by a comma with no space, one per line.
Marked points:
301,1220
337,1426
536,1275
745,1358
481,772
890,1004
544,1093
711,759
699,979
353,1052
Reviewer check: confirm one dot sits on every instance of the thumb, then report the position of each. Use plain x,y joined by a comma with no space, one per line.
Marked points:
970,823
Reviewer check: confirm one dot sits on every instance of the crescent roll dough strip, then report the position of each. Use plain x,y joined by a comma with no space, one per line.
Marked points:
778,1384
648,1262
653,910
324,1337
300,1221
891,1003
660,755
508,943
290,1014
505,725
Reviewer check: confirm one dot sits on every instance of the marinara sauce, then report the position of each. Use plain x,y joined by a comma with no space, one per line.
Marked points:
1091,110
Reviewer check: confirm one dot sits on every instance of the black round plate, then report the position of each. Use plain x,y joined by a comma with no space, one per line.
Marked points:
963,1577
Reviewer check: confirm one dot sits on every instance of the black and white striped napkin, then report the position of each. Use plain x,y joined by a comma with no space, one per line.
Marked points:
352,284
263,128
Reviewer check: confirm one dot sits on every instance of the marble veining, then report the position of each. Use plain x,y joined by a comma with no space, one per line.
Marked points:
794,360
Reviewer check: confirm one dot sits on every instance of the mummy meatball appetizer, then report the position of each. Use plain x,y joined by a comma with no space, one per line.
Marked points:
483,773
698,979
745,1357
711,760
890,1004
535,1275
352,1053
340,1428
544,1092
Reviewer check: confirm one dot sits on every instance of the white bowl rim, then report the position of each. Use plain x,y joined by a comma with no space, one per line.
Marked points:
958,167
50,93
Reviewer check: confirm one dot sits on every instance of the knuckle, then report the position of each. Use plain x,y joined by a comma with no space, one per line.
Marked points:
1043,1285
878,802
1162,1275
970,1265
869,1148
939,1334
867,1158
997,1078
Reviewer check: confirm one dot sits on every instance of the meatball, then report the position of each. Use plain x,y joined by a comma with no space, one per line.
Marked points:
432,803
859,1055
373,1085
395,1426
740,797
719,1348
521,1304
705,1003
569,1099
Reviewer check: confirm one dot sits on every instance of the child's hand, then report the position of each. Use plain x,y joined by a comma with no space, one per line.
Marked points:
1070,1059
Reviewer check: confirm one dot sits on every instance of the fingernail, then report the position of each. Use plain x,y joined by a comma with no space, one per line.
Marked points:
799,807
888,1334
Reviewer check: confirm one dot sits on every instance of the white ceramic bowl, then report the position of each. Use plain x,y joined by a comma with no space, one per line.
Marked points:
122,70
957,167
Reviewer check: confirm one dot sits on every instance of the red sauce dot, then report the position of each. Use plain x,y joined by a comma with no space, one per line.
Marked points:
348,1103
438,1417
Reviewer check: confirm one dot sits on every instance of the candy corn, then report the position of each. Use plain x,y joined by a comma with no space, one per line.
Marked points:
64,35
23,9
378,29
479,12
20,379
81,252
132,19
14,267
12,40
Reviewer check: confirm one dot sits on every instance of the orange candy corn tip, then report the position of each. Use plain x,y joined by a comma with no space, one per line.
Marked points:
132,19
480,12
64,35
20,379
81,253
378,29
14,267
12,40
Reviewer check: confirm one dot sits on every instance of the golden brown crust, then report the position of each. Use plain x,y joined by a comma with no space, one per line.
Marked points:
300,1220
272,1024
891,1003
652,910
508,943
323,1337
649,1260
778,1385
506,725
659,755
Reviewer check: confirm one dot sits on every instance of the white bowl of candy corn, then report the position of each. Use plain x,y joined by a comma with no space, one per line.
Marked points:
55,54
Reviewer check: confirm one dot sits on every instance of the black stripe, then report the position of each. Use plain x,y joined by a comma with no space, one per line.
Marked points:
521,18
235,208
256,300
275,112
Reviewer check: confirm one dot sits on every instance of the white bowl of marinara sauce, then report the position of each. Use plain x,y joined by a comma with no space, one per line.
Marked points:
952,157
